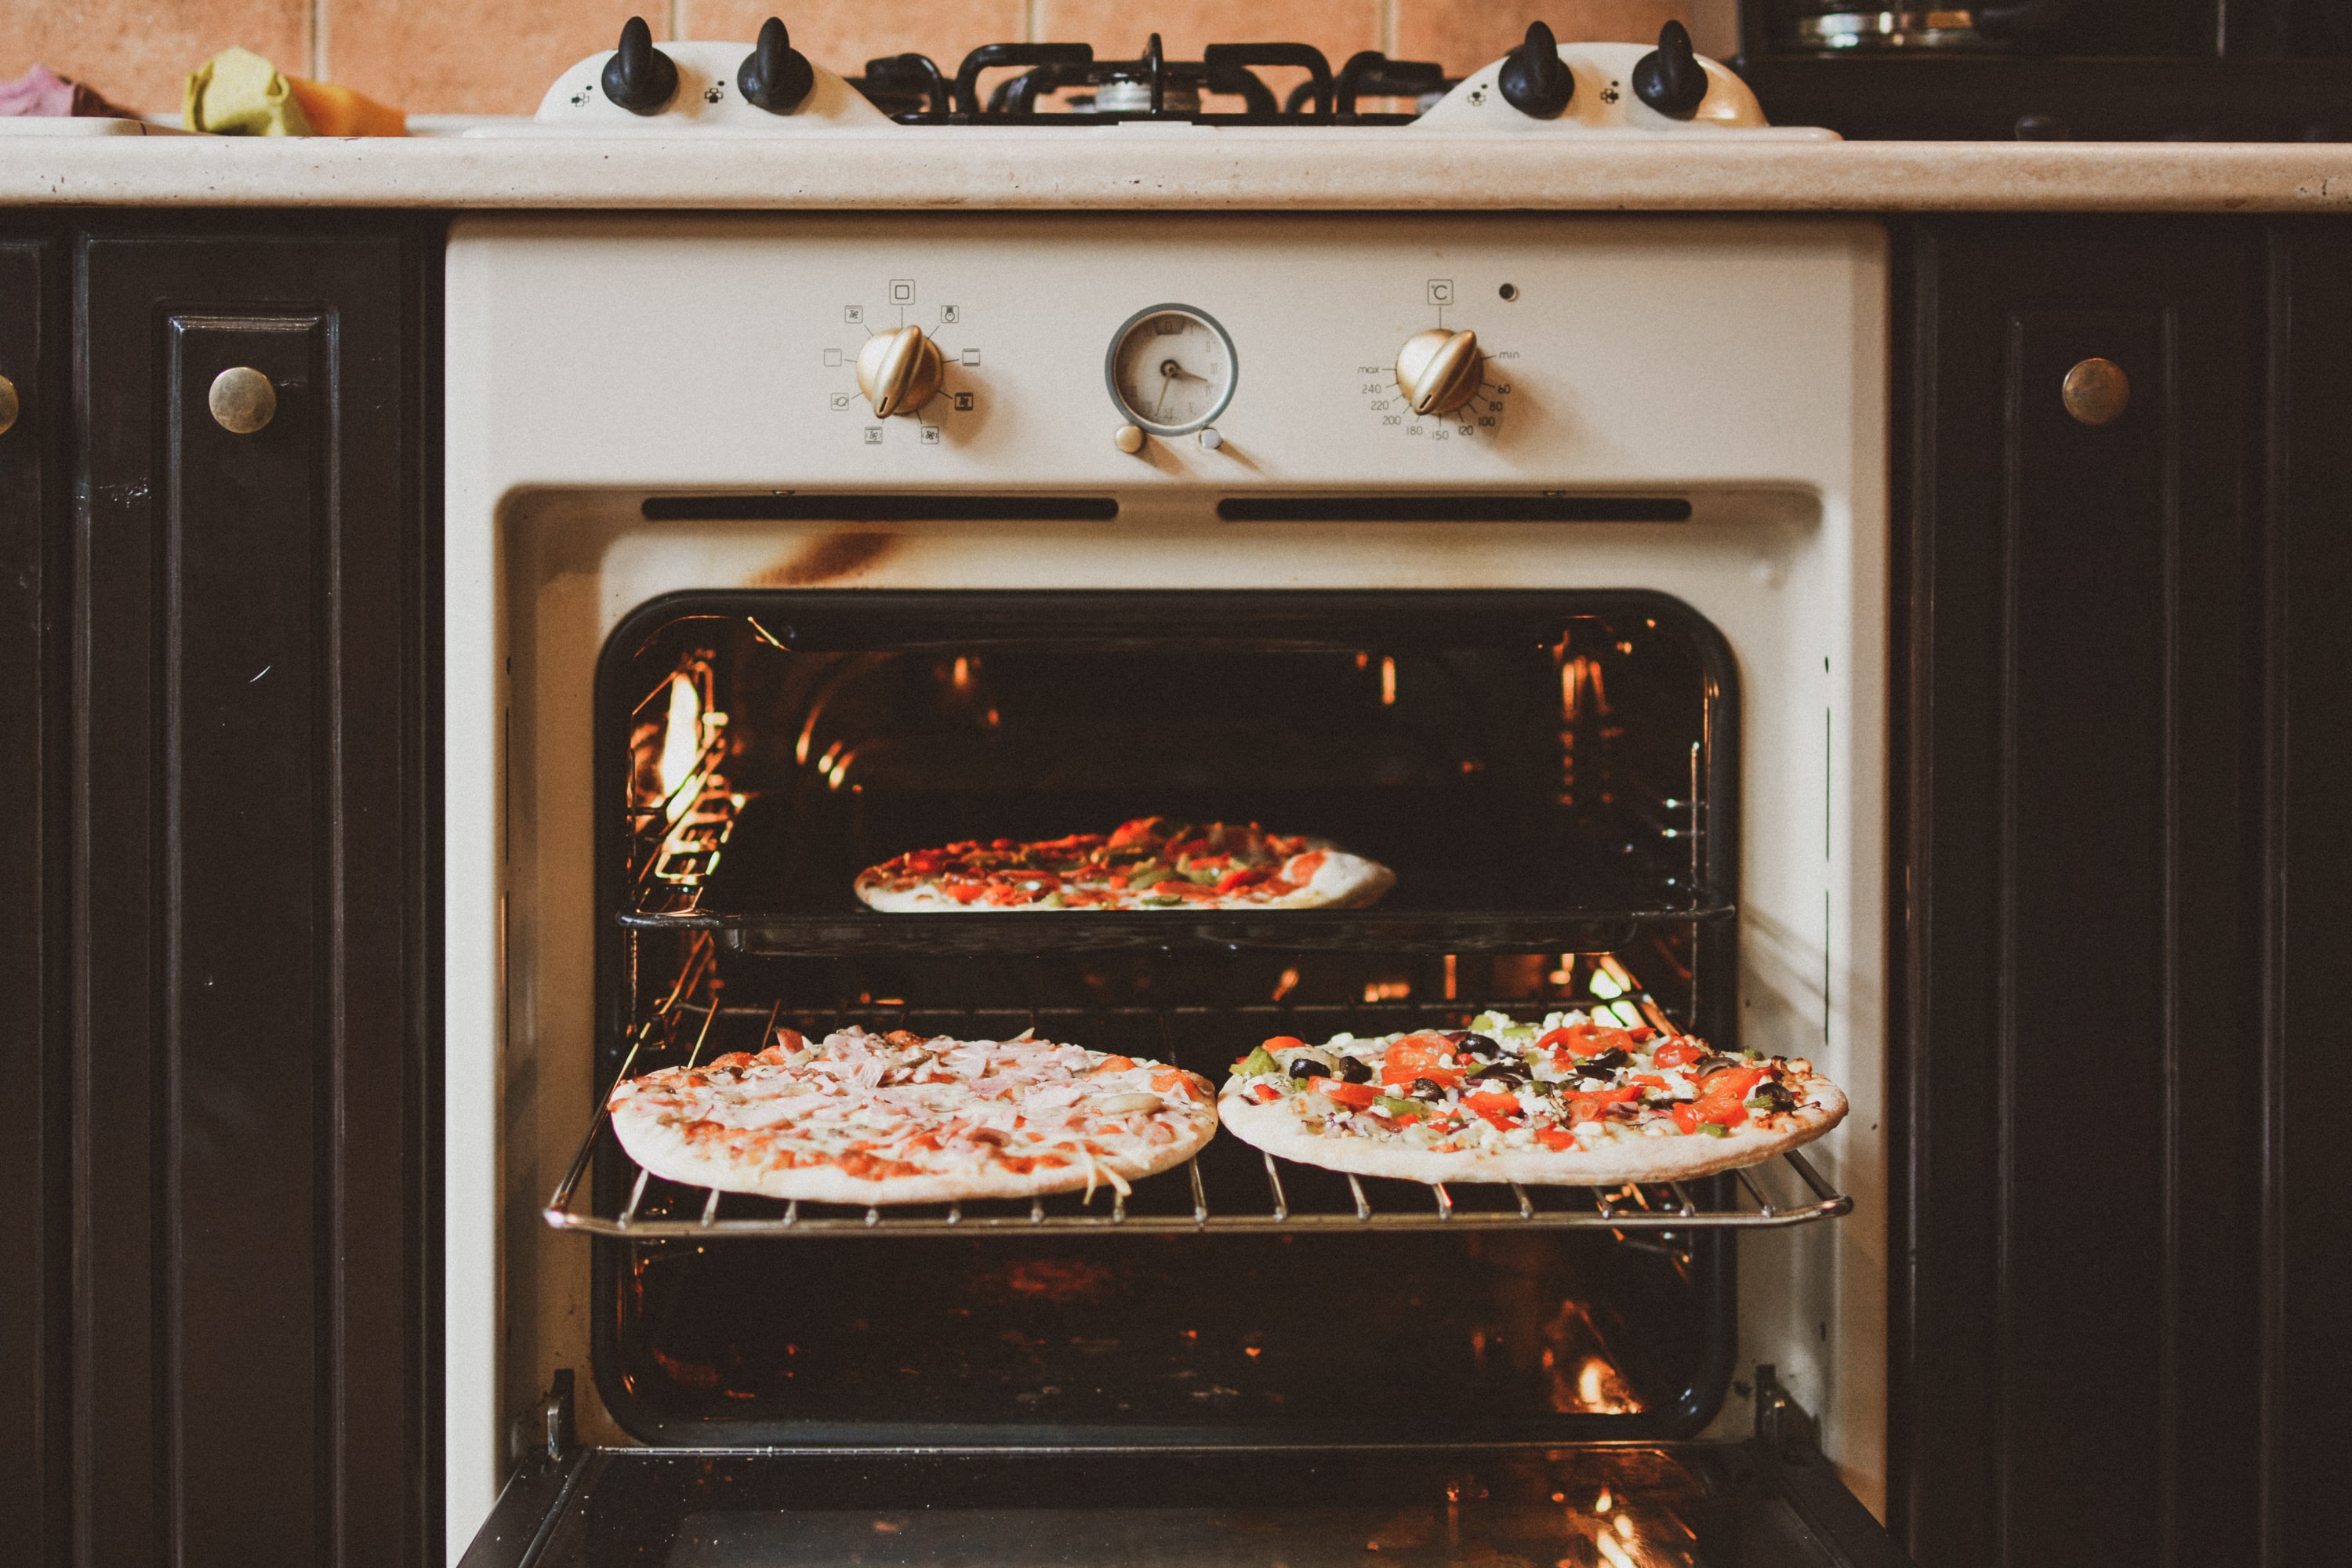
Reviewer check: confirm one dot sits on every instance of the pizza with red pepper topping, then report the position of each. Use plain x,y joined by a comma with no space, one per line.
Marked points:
1150,863
898,1119
1573,1100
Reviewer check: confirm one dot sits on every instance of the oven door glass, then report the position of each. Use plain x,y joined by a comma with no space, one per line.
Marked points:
1598,1506
1551,776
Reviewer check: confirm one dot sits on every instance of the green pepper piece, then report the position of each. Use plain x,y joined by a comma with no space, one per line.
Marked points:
1715,1130
1260,1061
1392,1106
1146,873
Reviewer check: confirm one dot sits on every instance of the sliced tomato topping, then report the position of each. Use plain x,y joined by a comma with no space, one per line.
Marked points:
1555,1138
1722,1112
1678,1053
1302,867
1356,1096
1241,878
1286,1043
1175,1082
1685,1116
1419,1056
1114,1064
965,892
1266,1093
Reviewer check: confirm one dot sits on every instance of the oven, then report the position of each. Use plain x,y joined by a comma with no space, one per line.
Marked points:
1595,660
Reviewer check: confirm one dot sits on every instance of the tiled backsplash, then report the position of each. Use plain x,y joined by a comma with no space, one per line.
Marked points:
496,57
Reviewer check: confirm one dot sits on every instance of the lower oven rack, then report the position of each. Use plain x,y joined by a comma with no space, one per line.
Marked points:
1781,1192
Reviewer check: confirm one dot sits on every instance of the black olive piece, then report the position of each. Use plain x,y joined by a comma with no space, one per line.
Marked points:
1706,1065
1482,1044
1455,1037
1426,1089
1502,1072
1307,1070
1353,1070
1609,1060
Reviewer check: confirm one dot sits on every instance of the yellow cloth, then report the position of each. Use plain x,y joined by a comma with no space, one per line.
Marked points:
238,93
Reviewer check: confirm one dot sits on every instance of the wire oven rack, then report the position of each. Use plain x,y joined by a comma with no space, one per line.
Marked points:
1304,1200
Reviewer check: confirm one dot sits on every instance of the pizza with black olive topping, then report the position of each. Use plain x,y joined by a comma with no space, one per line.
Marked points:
1571,1102
1150,863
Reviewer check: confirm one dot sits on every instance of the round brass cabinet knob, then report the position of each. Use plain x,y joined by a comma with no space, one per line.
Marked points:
1128,438
242,400
1439,371
898,371
9,408
2097,392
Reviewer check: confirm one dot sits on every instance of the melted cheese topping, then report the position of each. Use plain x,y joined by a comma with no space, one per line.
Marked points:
880,1106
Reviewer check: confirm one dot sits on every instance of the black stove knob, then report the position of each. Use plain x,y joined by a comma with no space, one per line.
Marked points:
1669,78
774,75
639,77
1535,80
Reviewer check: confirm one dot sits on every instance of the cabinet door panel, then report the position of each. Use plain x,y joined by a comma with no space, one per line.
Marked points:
249,1352
2076,1329
33,1219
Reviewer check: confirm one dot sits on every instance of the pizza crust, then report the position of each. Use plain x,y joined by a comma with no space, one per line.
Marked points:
1276,1127
1343,882
654,1131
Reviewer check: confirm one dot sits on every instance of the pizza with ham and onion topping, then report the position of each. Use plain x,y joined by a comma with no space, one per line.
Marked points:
1572,1100
1150,863
897,1119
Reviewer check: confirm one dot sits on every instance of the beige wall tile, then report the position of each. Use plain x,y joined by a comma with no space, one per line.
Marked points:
1117,29
1465,34
137,51
470,57
844,33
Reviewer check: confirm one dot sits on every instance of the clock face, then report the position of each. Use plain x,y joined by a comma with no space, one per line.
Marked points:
1172,369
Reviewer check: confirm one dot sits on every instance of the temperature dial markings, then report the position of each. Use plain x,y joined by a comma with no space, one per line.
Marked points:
1481,418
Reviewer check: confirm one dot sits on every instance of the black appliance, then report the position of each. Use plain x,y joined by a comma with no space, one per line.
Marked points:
2226,70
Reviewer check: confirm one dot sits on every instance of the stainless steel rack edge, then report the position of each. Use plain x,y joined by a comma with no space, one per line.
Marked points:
1626,1207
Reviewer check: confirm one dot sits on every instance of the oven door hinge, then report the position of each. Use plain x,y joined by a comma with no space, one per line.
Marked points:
545,1433
1781,1422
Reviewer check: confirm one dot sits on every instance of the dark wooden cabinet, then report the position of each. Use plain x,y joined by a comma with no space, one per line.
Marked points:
35,1224
215,875
2117,691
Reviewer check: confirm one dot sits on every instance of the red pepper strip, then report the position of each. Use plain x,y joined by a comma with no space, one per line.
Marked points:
1241,879
1731,1083
1555,1138
1419,1056
1286,1043
1356,1096
1267,1093
1501,1111
1685,1116
965,892
1678,1053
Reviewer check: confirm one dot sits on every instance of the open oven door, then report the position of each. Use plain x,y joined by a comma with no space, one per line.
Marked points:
1769,1502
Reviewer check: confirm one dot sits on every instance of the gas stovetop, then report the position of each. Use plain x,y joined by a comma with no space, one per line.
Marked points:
769,87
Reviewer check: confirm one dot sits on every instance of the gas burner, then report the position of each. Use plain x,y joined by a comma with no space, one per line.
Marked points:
911,90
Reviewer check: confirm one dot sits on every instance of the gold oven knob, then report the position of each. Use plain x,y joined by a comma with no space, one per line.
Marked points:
2097,392
898,371
1440,371
8,406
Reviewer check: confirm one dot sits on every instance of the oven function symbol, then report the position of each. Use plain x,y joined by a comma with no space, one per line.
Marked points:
930,436
841,400
962,402
1170,369
874,434
1441,291
902,290
853,315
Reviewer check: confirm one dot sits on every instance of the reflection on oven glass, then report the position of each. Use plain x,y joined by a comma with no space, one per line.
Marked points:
1580,1525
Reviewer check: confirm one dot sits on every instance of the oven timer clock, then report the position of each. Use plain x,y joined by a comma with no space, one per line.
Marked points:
1170,370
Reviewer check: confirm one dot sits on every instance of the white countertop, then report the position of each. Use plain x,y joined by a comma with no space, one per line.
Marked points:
1162,166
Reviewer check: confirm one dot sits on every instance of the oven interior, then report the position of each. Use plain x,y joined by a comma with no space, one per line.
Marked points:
1553,778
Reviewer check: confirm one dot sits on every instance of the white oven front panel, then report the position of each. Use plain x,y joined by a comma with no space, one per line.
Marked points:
593,362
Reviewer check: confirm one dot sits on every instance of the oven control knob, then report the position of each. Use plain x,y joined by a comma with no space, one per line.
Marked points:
1439,371
639,77
1535,80
775,75
1669,78
898,371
